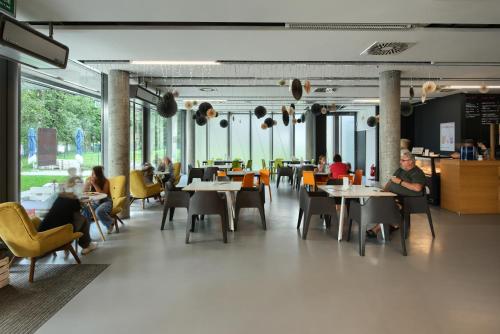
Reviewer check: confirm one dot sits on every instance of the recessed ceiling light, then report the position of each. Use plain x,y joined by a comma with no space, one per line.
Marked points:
172,62
468,87
208,89
372,101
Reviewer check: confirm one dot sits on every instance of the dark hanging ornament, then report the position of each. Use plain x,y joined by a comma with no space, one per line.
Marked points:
285,116
269,122
371,121
316,109
224,123
297,89
167,107
303,118
202,120
204,108
260,111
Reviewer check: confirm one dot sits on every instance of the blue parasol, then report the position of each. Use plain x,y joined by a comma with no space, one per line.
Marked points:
31,143
79,137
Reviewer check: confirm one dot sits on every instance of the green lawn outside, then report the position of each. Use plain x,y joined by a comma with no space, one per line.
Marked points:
90,159
28,181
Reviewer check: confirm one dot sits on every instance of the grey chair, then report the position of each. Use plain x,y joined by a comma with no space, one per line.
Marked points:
376,210
284,171
250,198
174,198
195,173
207,203
315,203
414,205
209,173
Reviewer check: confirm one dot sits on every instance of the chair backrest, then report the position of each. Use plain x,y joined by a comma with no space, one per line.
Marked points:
381,210
177,172
358,177
210,162
249,165
236,164
308,177
137,185
195,173
334,182
263,164
341,176
209,173
308,168
16,230
264,176
206,202
117,186
221,173
278,163
248,180
198,163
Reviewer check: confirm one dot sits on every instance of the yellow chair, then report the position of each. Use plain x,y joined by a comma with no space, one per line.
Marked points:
117,190
265,179
308,179
141,190
18,232
177,173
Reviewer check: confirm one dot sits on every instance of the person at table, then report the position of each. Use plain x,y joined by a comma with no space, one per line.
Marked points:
408,180
338,167
97,182
148,173
483,150
322,165
167,167
66,210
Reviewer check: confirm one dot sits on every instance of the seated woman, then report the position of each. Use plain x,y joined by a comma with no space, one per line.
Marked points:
322,165
338,167
168,168
97,182
148,172
66,210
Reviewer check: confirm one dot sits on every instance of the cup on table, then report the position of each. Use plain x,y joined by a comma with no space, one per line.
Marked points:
345,183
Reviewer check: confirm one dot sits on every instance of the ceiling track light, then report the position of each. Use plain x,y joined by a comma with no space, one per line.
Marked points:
174,62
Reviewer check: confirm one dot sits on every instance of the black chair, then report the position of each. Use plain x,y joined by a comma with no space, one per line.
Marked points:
284,171
315,203
414,205
250,198
376,210
195,173
174,198
207,203
209,173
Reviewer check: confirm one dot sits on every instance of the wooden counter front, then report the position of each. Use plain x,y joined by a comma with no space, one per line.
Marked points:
469,187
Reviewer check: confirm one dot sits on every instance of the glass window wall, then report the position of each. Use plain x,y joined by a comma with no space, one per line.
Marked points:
240,136
300,139
282,139
217,139
261,144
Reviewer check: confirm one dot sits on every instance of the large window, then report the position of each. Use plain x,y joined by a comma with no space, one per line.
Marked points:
136,130
347,135
300,139
240,136
217,139
200,149
157,137
261,144
330,137
282,139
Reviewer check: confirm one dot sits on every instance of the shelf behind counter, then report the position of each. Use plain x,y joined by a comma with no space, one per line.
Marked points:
470,187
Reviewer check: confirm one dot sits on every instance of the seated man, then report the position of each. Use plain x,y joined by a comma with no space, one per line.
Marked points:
408,180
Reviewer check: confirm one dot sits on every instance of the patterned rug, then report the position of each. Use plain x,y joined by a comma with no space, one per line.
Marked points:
25,307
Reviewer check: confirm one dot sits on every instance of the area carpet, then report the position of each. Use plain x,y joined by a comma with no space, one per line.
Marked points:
24,306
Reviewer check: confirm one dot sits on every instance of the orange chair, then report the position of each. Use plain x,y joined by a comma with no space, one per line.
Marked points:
351,177
237,178
248,180
221,173
265,176
358,177
308,179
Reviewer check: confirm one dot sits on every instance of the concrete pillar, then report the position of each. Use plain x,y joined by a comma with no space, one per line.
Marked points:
389,123
310,136
119,128
190,139
9,131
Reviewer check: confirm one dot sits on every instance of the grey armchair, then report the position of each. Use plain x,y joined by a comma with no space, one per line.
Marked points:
208,174
284,171
207,203
376,210
250,198
315,203
174,198
413,205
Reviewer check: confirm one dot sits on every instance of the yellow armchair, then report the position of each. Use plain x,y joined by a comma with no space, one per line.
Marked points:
141,190
117,190
19,233
177,173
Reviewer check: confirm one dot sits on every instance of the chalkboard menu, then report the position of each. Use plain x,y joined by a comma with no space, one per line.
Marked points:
484,107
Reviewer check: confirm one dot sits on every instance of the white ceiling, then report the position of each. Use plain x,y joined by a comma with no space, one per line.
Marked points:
257,82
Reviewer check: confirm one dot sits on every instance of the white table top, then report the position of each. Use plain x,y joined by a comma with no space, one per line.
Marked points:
226,166
213,186
355,191
86,196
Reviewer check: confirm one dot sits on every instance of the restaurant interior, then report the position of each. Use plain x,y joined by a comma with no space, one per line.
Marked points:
267,167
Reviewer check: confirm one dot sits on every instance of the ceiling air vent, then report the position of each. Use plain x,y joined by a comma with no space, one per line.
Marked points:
349,26
325,90
386,48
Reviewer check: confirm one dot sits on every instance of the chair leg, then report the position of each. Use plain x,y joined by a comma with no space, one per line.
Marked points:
32,269
305,228
115,222
143,203
171,217
403,241
429,218
164,218
224,225
362,239
406,217
12,260
189,223
72,251
236,216
263,217
301,212
278,181
119,219
270,196
349,230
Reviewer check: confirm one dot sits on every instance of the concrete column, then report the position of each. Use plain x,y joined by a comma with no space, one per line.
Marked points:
119,128
9,131
190,139
389,123
310,135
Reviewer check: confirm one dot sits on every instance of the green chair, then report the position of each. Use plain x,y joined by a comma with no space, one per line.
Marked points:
236,164
278,163
263,164
198,163
249,165
210,162
312,161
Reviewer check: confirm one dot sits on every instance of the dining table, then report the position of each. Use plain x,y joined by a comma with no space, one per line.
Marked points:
361,192
86,199
230,188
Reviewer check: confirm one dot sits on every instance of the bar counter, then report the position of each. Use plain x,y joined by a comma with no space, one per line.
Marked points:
470,187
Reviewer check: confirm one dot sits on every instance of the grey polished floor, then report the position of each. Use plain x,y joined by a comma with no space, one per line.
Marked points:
274,282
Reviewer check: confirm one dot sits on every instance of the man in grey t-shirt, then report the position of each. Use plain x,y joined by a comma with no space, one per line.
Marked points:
408,180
